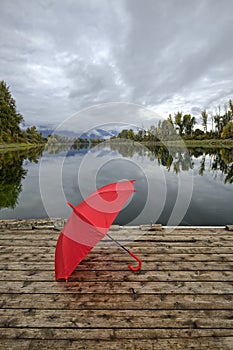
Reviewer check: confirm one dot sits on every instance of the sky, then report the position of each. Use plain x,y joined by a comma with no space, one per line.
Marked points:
62,57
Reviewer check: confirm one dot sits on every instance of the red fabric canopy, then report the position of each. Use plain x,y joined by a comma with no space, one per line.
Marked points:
88,224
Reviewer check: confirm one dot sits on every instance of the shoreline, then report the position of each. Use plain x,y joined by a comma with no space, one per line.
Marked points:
228,143
19,146
58,223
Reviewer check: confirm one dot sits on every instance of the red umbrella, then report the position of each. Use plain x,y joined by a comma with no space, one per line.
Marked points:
88,224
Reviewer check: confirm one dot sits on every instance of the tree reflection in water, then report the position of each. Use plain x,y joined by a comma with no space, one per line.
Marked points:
12,173
177,160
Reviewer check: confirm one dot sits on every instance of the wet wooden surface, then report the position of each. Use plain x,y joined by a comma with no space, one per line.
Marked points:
181,299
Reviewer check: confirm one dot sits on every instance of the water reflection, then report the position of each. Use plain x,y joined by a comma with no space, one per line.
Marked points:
211,168
177,160
12,172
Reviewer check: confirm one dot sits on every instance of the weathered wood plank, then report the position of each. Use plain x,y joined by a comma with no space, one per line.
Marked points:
128,301
116,318
33,266
117,287
125,233
17,251
189,333
104,276
113,250
195,343
175,241
105,257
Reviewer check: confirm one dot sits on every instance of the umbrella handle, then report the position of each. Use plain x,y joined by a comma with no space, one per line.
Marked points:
139,262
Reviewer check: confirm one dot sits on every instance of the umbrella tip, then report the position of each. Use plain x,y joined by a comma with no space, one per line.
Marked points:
71,205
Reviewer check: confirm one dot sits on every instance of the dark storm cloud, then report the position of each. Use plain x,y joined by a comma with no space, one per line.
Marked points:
59,57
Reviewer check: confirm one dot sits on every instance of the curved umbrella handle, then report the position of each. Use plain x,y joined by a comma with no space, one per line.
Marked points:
139,262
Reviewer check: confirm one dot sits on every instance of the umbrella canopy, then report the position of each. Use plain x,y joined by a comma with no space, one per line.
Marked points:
88,224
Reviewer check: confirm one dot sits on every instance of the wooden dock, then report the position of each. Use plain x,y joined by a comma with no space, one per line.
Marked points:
181,299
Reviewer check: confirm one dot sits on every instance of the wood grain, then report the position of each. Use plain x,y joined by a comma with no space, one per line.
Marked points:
181,299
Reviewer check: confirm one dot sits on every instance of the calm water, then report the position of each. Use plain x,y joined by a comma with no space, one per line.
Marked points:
173,186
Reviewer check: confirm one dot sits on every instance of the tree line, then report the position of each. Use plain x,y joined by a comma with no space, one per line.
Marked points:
182,125
56,143
10,120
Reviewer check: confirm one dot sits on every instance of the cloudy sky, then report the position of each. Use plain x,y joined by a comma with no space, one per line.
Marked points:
60,57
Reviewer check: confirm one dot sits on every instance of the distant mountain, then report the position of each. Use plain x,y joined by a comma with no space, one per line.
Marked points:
94,133
99,133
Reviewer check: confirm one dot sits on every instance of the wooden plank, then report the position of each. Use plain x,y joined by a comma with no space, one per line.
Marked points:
175,241
117,287
195,343
7,251
125,233
119,256
102,334
104,276
183,265
128,230
116,318
106,301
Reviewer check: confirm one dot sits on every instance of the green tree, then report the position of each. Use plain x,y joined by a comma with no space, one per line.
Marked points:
179,122
188,123
9,118
231,107
169,119
204,116
227,131
33,135
131,135
123,134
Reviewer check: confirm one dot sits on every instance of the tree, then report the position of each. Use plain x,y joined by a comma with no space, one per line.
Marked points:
131,134
152,133
33,135
220,120
231,107
204,119
188,123
179,122
227,131
166,130
123,134
9,118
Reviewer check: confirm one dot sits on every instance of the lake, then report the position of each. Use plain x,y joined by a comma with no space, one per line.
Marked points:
174,186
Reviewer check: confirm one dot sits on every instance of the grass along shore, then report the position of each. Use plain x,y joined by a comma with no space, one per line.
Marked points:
228,143
19,146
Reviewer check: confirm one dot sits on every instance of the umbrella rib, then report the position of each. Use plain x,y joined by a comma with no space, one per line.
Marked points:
118,243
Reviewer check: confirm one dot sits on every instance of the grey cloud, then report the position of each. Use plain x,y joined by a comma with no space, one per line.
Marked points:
196,110
173,44
60,57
